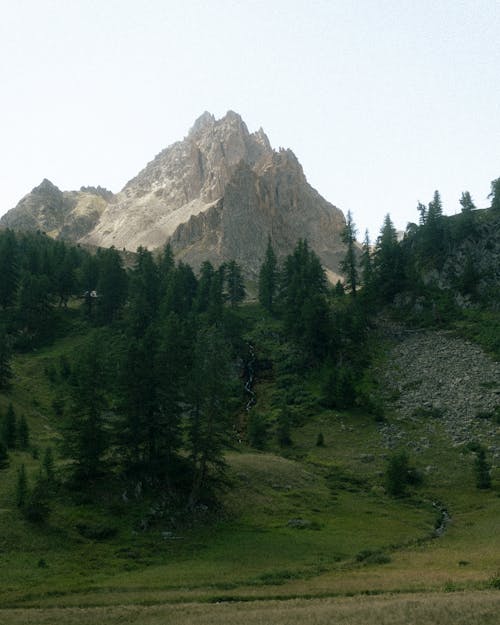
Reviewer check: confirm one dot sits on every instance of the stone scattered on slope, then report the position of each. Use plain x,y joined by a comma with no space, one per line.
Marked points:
435,376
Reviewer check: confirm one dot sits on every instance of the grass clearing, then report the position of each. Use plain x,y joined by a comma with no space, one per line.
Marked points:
458,608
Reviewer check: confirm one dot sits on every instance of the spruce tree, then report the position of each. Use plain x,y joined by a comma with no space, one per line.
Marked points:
234,283
349,263
268,278
5,358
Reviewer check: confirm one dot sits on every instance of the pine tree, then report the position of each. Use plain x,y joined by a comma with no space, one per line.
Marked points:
149,436
366,264
234,283
268,278
5,358
397,474
23,434
10,428
112,285
34,304
36,507
466,202
482,469
181,292
495,194
9,268
284,428
387,262
85,437
257,430
88,278
422,209
166,267
207,274
21,487
48,465
349,263
208,428
435,210
144,292
4,456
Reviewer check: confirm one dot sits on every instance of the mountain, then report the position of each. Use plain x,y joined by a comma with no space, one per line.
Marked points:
218,194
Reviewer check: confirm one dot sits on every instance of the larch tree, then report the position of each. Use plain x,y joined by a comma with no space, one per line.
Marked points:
268,278
349,264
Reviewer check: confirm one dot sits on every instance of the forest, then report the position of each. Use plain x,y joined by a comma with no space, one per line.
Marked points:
155,394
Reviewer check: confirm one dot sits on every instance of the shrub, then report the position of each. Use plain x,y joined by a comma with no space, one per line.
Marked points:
399,475
257,430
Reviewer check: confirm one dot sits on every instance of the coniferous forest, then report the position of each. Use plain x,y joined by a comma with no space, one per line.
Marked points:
134,390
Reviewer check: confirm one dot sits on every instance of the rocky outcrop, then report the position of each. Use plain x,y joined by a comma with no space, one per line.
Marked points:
61,214
218,194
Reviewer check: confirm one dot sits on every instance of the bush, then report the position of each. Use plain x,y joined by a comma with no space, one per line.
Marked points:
399,475
482,470
257,430
37,509
283,431
4,456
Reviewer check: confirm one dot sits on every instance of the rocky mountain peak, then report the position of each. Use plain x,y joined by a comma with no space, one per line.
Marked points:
46,187
204,121
216,195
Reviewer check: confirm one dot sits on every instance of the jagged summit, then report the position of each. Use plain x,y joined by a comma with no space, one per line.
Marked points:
217,194
45,186
204,120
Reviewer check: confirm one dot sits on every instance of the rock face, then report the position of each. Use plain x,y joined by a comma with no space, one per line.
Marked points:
216,195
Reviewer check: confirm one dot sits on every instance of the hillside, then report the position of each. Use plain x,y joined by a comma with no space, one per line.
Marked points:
167,443
306,520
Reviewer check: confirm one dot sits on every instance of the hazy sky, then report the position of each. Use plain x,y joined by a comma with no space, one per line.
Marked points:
382,101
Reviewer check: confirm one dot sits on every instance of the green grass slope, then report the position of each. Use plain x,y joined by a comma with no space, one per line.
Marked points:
300,522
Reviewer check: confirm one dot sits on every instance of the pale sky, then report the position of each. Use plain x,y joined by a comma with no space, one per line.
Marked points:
382,101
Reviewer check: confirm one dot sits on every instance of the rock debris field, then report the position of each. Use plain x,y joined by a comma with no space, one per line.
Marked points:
433,376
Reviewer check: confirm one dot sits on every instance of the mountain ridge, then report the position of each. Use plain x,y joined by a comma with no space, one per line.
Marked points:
217,194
